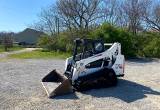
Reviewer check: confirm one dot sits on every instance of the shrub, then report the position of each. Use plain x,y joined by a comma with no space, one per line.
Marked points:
57,43
145,44
150,45
111,34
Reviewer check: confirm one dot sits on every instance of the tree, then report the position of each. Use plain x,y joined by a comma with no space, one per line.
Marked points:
152,17
72,15
78,14
7,39
110,11
134,11
48,21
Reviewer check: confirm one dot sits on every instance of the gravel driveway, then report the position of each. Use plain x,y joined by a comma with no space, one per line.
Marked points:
20,88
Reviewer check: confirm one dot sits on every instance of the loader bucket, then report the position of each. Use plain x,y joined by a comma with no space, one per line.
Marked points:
55,84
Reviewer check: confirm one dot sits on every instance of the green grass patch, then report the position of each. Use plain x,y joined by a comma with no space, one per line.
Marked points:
1,48
40,54
14,48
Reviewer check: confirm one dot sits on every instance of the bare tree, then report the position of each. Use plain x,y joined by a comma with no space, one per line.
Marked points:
152,17
113,13
48,21
134,11
39,26
7,39
78,14
110,10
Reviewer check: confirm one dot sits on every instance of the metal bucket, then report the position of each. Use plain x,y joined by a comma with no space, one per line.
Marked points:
55,84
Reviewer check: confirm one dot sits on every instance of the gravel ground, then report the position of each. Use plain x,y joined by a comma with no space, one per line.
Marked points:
20,88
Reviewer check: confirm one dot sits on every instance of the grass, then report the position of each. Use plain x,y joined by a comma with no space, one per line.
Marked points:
14,48
40,54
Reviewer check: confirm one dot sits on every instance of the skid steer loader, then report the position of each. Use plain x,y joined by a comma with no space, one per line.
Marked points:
92,65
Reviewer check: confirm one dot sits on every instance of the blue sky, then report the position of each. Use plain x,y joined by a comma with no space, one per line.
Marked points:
16,15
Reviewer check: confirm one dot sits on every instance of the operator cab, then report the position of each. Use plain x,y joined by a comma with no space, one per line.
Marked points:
85,48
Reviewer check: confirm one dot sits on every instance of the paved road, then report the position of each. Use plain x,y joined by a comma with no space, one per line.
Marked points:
20,88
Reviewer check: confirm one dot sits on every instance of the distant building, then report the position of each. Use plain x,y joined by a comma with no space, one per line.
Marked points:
28,37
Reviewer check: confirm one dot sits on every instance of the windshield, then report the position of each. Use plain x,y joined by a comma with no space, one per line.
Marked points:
88,49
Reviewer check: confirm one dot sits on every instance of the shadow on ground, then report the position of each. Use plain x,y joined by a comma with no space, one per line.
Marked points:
142,60
125,90
67,96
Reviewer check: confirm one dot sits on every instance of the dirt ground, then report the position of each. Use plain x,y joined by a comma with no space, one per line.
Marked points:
20,88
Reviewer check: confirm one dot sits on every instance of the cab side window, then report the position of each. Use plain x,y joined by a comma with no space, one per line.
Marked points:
99,47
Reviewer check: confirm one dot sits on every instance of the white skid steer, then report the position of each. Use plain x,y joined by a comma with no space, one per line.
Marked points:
91,66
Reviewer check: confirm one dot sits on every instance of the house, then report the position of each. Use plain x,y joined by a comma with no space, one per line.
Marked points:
28,37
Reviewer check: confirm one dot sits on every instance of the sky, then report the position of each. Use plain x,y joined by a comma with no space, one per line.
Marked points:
16,15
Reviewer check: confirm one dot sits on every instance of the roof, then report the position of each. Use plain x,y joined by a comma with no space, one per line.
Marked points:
28,36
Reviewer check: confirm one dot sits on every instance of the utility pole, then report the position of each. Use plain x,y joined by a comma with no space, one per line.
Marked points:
57,25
